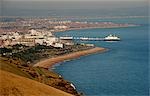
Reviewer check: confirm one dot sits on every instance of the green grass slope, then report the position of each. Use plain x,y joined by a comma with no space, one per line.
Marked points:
6,65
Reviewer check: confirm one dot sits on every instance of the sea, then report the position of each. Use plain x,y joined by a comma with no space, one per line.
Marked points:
121,71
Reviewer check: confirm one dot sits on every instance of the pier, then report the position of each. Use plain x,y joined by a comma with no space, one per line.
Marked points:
82,38
110,37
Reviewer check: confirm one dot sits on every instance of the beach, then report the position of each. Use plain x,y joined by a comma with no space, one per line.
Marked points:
51,61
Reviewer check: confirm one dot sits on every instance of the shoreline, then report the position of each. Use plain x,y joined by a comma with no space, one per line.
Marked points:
73,29
48,63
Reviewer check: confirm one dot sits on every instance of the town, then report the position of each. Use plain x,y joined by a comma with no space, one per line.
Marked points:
30,31
31,38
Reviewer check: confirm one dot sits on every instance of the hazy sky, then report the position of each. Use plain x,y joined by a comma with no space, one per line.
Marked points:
75,0
83,8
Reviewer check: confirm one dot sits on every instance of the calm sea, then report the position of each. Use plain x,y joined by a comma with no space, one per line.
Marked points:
121,71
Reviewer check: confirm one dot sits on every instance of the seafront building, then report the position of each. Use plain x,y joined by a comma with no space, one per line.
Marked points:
31,38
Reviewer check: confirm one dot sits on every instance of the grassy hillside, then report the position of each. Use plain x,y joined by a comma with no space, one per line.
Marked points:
36,73
19,59
7,65
15,85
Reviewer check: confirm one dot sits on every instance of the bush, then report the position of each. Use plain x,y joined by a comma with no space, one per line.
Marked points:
5,50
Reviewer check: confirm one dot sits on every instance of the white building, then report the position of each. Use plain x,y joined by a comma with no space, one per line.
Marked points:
60,27
50,40
60,45
33,36
3,37
39,41
15,36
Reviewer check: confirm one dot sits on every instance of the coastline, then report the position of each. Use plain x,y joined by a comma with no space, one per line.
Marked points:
48,63
72,29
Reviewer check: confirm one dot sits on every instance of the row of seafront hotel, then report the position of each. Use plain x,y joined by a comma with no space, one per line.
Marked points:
31,38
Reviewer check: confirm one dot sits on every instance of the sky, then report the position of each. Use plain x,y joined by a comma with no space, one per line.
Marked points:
102,7
76,0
